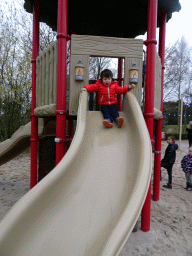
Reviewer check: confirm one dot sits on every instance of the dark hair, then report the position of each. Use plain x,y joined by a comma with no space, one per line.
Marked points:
172,138
106,73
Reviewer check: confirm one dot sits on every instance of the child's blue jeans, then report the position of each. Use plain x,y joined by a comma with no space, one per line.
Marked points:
110,112
188,177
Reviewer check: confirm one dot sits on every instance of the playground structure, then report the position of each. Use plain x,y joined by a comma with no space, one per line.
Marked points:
63,182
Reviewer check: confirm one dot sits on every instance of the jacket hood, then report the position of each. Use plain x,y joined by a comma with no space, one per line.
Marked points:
175,146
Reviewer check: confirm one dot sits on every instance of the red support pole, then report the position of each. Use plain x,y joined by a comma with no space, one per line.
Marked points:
34,119
120,76
61,80
149,95
158,128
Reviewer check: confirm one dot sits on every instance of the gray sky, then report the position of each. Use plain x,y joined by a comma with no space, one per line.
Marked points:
179,25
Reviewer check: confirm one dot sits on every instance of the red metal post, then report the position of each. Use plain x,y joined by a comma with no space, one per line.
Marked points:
34,119
120,82
61,80
149,95
158,128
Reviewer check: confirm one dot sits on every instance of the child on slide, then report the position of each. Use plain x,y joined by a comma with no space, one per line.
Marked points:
107,97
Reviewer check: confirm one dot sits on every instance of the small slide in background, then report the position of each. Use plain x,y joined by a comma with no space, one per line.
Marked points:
89,203
18,143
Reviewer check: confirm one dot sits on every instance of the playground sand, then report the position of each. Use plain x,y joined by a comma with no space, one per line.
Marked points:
14,181
171,216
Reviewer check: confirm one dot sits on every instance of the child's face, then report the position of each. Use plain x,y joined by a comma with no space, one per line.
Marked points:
190,152
107,81
169,141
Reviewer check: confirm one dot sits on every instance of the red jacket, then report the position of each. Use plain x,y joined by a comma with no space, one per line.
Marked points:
107,95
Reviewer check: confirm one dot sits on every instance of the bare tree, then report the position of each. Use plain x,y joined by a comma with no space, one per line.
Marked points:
15,65
177,73
178,68
96,65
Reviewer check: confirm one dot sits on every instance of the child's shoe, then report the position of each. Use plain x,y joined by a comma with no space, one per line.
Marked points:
107,123
168,186
119,121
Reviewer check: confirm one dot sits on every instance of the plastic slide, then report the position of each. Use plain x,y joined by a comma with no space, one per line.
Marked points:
89,203
18,143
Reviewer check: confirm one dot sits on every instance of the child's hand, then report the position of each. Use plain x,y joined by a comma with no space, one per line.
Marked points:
131,86
83,89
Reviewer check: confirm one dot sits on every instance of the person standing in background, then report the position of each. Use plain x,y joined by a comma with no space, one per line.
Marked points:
189,130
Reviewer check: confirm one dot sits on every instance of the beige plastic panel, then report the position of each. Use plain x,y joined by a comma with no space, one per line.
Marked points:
89,203
158,114
157,96
157,88
47,110
75,86
138,88
106,46
82,47
46,81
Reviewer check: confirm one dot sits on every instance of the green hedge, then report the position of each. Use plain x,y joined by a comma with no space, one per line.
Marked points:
175,131
184,135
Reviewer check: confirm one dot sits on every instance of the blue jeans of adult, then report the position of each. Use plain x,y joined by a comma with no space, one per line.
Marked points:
169,171
110,112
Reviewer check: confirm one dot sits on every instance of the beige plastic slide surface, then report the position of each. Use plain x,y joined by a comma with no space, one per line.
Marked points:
89,203
18,142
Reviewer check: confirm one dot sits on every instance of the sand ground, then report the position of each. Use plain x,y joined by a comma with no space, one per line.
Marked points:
171,217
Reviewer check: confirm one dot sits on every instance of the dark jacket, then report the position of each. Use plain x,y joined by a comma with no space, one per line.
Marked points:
189,133
170,155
